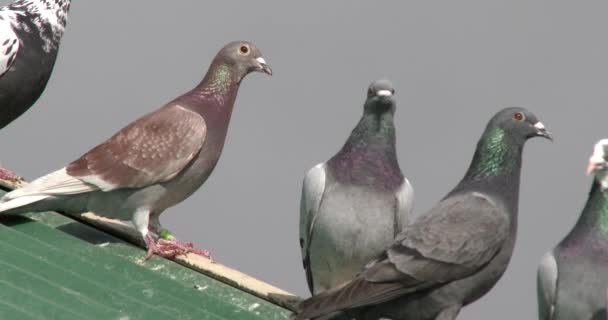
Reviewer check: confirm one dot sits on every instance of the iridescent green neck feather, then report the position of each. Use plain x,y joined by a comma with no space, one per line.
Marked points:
595,214
602,219
495,155
219,80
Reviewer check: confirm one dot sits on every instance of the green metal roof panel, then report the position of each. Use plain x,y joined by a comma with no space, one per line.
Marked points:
53,267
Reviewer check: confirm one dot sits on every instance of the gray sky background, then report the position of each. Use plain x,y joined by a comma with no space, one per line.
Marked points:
454,64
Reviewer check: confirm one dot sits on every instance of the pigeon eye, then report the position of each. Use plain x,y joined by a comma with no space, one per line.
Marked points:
392,91
518,116
244,50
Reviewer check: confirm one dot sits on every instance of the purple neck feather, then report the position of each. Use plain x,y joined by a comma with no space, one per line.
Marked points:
369,156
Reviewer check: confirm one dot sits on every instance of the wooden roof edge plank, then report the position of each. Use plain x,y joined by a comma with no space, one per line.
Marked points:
195,262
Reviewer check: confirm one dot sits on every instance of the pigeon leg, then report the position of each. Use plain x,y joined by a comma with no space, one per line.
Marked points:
166,246
8,175
154,224
140,220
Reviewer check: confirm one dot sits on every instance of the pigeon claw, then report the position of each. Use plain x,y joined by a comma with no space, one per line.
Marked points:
182,247
10,176
170,248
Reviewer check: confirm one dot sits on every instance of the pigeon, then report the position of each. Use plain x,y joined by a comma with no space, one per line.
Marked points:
353,205
573,277
30,32
154,162
453,254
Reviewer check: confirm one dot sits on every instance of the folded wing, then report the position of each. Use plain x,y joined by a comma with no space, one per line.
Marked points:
452,241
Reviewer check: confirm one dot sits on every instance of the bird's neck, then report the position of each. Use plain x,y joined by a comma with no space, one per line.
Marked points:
495,169
375,133
220,81
213,98
369,155
594,217
497,156
218,88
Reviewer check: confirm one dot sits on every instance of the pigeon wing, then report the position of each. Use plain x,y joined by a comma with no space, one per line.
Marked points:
312,194
452,241
405,205
151,150
546,286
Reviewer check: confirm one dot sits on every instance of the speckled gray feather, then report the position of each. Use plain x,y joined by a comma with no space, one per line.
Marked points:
30,32
454,253
354,204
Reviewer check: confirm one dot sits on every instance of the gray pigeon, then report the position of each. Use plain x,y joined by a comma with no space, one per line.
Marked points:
573,277
453,254
153,163
353,205
30,32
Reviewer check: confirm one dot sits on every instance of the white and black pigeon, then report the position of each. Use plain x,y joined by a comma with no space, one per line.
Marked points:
30,32
453,254
573,277
153,163
353,205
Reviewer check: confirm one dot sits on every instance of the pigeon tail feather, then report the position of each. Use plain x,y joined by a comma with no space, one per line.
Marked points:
20,202
57,183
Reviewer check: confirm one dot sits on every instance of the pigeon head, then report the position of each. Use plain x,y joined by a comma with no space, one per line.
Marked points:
520,123
380,97
598,163
244,57
500,147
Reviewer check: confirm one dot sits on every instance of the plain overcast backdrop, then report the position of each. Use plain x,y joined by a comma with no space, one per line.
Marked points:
454,64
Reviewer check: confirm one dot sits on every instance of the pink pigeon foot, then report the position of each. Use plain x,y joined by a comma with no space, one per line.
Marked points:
170,248
185,247
8,175
155,249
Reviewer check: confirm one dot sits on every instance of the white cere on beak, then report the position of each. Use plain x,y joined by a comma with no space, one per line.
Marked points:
597,158
384,93
598,151
261,60
539,125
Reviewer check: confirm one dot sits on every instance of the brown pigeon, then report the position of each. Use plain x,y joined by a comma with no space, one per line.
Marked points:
153,163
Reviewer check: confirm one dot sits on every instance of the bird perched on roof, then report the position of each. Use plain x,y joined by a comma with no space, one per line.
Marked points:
153,163
573,277
453,254
30,32
353,205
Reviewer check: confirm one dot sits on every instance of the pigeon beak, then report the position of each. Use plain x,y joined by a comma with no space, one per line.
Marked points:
542,132
384,93
263,66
